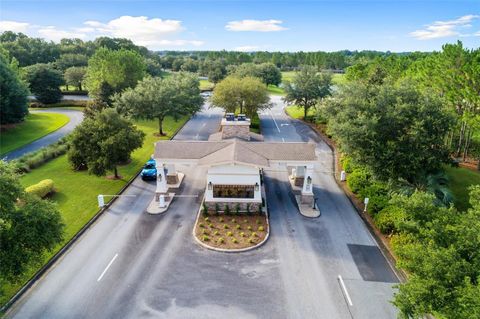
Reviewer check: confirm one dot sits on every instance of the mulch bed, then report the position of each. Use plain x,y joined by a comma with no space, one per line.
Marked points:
231,231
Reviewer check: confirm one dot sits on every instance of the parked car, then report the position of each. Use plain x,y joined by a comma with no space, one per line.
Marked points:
149,171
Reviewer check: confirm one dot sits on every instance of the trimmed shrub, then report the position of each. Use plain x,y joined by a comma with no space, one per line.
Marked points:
389,219
226,209
248,208
205,209
347,164
237,209
42,189
36,159
217,208
358,180
378,194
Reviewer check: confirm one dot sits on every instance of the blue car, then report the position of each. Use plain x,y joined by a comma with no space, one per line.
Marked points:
149,171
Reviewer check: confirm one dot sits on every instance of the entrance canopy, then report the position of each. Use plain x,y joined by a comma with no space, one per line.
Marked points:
212,153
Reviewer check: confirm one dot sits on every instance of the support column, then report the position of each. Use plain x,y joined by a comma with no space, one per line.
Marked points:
172,175
162,188
299,176
307,190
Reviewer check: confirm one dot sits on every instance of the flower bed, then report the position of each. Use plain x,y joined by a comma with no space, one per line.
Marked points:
231,231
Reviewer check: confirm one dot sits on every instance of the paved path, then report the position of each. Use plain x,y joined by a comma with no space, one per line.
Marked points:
134,265
76,118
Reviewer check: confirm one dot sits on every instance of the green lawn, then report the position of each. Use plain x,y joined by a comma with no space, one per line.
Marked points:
297,112
206,85
460,180
77,192
275,90
339,78
288,76
35,126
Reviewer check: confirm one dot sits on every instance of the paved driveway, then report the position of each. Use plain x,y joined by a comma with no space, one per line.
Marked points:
134,265
76,118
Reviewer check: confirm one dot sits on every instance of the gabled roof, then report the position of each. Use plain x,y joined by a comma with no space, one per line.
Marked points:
234,151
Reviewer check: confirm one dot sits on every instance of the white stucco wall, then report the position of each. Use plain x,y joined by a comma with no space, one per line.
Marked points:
233,175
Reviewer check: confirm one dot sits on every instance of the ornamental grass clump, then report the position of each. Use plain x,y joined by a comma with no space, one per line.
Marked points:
229,234
220,240
234,240
254,234
201,225
249,227
216,233
242,234
205,238
238,227
261,228
225,226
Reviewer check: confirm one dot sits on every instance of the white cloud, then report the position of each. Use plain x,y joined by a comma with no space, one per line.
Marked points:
54,34
14,26
255,25
153,33
247,48
443,29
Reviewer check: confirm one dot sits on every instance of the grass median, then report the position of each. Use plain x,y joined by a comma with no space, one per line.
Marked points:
76,192
35,126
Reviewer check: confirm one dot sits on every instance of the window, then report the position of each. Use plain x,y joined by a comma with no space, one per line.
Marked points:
233,191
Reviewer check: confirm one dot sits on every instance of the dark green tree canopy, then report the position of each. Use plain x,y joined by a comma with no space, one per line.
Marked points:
120,69
103,142
13,97
29,226
245,95
394,130
156,98
44,82
307,88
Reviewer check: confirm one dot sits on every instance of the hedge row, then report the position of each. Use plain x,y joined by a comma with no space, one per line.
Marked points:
42,189
35,159
363,184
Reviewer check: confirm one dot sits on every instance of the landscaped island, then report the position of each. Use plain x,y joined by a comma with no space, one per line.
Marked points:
231,230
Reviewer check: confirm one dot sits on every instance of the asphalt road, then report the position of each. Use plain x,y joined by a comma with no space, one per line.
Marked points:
133,265
76,118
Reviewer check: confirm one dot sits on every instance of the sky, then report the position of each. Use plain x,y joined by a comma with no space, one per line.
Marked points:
249,25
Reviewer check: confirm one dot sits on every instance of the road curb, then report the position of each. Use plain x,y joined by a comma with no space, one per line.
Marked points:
37,276
391,260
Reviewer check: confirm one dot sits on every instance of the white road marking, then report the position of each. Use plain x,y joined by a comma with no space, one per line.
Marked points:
108,266
342,284
275,122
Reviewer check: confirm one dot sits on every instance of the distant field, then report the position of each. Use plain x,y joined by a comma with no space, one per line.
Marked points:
77,192
35,126
460,180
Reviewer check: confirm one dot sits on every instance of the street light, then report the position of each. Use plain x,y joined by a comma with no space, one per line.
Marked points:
256,187
210,185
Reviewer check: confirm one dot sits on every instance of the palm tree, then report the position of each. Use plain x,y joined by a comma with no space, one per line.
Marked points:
435,183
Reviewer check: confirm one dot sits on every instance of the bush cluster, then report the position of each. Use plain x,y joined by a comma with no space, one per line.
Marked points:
41,189
36,159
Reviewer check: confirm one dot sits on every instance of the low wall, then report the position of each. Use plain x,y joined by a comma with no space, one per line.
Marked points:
254,207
